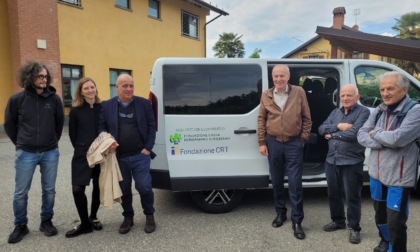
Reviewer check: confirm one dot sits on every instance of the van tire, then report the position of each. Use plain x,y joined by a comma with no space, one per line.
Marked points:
217,201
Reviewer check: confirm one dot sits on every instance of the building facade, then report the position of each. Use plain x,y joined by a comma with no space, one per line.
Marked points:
320,48
98,39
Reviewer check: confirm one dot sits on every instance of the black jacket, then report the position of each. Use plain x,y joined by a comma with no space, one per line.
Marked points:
83,129
34,122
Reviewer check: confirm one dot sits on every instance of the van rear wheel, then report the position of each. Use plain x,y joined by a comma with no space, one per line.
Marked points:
217,201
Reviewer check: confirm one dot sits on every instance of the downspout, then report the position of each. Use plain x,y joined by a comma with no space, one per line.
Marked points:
205,34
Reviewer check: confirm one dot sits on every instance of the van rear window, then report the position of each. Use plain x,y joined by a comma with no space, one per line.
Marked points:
211,89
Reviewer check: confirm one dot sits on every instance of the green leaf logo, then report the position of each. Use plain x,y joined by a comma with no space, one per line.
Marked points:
175,138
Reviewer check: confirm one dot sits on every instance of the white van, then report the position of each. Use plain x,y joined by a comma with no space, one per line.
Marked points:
206,112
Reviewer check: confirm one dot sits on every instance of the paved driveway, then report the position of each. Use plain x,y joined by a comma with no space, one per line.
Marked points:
180,225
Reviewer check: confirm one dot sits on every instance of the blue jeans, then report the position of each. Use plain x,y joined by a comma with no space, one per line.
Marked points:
25,165
136,167
345,181
286,158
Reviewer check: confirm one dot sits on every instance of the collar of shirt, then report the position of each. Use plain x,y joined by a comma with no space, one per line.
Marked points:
124,105
285,91
350,109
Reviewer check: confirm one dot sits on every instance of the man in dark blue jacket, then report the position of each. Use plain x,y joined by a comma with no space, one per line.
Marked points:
344,163
34,122
129,119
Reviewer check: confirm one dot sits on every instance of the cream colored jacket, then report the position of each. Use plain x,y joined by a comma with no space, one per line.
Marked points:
110,176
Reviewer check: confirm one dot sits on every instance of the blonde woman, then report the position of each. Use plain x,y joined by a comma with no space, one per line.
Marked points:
83,129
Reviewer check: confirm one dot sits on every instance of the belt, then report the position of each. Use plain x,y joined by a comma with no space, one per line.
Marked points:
290,138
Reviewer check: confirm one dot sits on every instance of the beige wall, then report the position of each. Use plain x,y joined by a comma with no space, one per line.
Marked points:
8,79
100,36
320,47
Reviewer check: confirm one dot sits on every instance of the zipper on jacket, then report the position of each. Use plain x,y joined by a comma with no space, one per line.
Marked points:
379,151
401,168
37,122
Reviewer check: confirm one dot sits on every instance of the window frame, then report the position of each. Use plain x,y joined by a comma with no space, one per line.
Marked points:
69,83
113,81
158,14
77,3
126,6
197,25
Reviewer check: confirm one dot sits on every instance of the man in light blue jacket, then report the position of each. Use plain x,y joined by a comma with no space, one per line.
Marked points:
393,160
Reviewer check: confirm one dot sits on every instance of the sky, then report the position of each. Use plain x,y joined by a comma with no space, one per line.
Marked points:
277,27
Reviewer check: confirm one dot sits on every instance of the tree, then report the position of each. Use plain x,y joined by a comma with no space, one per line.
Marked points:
408,27
229,45
256,53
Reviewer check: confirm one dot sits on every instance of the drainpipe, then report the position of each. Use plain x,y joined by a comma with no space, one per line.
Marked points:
205,34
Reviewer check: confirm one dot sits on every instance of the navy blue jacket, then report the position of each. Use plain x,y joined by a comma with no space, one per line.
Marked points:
145,120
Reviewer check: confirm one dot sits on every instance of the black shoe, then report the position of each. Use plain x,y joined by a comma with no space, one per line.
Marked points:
18,233
382,246
79,230
354,236
278,221
333,226
126,225
298,231
150,224
96,224
47,228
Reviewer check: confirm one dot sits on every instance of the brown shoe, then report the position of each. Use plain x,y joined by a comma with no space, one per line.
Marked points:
126,225
150,224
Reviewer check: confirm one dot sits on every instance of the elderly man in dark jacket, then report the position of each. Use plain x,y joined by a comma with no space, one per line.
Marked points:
344,164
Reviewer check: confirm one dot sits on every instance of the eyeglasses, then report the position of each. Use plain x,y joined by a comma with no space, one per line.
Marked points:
42,77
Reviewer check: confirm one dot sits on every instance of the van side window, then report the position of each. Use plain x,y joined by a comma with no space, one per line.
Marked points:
367,79
211,89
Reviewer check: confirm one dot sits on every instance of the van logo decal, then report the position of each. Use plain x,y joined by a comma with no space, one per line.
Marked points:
175,138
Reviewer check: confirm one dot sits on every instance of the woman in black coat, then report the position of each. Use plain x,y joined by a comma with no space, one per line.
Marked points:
83,129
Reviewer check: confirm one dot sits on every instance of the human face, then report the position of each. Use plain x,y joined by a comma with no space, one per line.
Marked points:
348,96
125,88
41,80
391,92
88,91
280,77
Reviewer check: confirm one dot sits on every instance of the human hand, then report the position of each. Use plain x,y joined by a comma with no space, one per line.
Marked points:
344,126
328,136
263,150
145,152
113,147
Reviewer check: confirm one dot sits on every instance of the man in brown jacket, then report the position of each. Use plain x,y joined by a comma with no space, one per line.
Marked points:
284,125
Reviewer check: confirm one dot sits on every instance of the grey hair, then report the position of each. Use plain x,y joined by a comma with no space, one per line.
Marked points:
402,81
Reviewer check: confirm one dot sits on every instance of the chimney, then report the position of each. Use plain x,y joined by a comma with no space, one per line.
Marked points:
338,20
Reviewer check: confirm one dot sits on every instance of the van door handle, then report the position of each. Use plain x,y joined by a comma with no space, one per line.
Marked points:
249,131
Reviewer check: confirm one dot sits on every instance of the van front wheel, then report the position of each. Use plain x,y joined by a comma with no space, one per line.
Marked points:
217,201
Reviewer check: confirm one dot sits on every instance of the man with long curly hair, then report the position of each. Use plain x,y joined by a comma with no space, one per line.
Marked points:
34,121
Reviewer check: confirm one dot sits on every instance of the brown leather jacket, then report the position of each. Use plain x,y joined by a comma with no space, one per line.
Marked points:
293,122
